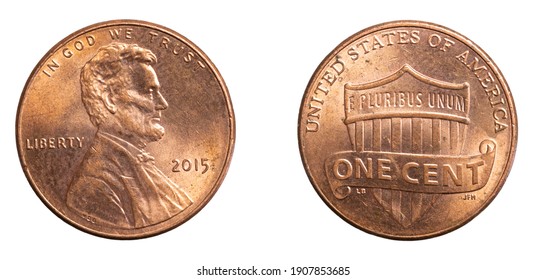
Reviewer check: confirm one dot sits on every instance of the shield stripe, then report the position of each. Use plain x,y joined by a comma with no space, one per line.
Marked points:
427,144
368,135
386,136
436,136
377,135
396,135
454,137
359,136
396,207
352,135
406,136
463,132
416,206
444,139
416,135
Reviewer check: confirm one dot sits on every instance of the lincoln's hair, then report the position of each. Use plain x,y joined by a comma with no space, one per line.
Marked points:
107,73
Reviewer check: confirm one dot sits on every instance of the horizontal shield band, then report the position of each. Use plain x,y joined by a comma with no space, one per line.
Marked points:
406,114
407,93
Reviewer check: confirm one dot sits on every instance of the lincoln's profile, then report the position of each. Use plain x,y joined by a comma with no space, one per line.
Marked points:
117,182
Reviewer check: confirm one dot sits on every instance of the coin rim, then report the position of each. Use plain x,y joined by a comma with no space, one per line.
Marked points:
172,222
435,27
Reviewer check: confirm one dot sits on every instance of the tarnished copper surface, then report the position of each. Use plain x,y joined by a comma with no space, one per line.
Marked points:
407,130
125,129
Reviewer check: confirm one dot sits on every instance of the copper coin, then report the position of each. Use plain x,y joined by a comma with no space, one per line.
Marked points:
407,130
125,129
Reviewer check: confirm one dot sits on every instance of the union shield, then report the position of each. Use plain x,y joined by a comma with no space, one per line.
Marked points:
407,131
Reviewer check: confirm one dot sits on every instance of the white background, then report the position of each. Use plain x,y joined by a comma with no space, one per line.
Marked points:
266,213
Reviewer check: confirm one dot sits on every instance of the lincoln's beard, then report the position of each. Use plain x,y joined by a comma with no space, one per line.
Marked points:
145,134
139,133
154,132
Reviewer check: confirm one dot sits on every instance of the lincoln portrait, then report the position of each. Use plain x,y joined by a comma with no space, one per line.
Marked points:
118,183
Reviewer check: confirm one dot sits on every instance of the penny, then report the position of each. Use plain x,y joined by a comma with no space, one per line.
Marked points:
125,129
407,130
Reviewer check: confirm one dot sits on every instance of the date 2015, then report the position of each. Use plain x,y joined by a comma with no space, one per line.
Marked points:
186,165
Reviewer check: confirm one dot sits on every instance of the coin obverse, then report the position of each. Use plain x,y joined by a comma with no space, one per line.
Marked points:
407,130
125,129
